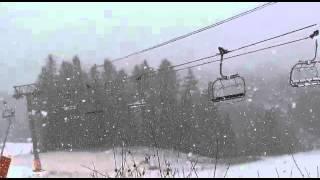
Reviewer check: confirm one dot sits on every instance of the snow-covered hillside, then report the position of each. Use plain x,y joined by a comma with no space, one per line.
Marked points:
14,149
75,164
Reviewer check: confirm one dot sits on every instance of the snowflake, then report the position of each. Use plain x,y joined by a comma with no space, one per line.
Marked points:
44,113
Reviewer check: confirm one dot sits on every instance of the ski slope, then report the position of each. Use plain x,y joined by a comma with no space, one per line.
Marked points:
15,149
70,164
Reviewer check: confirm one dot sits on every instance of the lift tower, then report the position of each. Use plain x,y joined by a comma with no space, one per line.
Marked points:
29,91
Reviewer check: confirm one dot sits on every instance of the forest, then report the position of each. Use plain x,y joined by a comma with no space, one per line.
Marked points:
100,108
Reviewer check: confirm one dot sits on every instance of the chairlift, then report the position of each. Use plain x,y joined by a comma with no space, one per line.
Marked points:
137,105
94,107
69,104
141,81
7,112
110,86
227,88
68,108
140,103
306,72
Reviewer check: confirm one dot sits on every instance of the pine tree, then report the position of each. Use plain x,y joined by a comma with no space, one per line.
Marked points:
125,129
226,137
207,115
168,87
67,106
108,75
188,122
143,92
47,81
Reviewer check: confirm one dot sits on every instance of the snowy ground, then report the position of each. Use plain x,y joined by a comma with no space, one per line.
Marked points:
70,164
15,149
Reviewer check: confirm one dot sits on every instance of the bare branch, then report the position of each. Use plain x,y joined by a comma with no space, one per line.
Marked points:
95,171
307,172
216,158
225,175
192,169
297,165
277,172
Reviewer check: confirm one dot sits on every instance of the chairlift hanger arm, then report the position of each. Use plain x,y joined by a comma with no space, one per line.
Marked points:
314,34
222,52
316,51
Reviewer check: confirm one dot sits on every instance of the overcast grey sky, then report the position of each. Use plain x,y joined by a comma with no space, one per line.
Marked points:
94,31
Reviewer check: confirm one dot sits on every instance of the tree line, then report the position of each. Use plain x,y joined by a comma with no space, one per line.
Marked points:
96,109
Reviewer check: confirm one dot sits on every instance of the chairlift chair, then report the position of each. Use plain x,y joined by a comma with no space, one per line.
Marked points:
137,105
227,88
306,72
7,113
140,103
69,105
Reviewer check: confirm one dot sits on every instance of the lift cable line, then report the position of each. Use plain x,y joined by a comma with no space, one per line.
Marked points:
249,52
196,31
233,87
246,46
141,76
239,81
237,49
146,74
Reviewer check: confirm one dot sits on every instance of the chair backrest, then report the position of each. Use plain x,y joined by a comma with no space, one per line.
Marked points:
305,74
227,89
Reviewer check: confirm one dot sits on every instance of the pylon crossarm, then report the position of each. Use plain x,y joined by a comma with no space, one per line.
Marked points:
25,90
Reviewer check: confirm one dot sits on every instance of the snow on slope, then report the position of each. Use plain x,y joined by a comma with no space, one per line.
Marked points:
13,149
69,164
307,162
19,172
